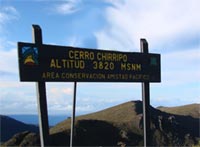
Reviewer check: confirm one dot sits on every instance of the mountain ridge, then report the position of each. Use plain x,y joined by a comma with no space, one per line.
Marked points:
10,126
186,110
122,125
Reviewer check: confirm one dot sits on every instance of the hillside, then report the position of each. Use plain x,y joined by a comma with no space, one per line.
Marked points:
122,125
9,127
186,110
117,115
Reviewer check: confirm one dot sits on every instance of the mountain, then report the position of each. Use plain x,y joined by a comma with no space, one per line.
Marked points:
10,126
117,115
122,125
25,118
186,110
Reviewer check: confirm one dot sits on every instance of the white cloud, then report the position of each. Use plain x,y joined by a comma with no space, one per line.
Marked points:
7,14
74,41
68,7
158,21
8,51
168,101
8,62
181,67
20,101
16,84
58,92
68,91
6,44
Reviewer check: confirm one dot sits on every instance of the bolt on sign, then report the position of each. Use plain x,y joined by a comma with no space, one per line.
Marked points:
52,63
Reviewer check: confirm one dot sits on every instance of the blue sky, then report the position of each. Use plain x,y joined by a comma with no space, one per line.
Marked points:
172,29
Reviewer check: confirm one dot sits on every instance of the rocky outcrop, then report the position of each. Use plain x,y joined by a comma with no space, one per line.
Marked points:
23,139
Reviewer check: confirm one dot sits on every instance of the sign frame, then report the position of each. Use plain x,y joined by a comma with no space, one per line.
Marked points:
51,63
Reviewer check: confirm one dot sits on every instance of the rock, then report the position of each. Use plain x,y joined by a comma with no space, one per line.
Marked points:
25,138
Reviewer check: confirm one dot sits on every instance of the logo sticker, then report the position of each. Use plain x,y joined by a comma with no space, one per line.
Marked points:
30,55
153,61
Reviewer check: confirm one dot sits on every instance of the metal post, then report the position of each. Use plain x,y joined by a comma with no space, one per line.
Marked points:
41,96
146,100
73,117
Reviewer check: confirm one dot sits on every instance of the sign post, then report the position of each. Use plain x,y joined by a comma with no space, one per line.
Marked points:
41,96
146,100
73,117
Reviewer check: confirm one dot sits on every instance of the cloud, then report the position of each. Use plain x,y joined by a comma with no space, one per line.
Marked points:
181,67
55,88
20,101
68,91
8,51
60,91
24,99
155,20
8,62
83,18
7,14
167,101
68,7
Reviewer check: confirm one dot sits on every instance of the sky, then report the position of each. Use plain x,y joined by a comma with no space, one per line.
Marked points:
172,29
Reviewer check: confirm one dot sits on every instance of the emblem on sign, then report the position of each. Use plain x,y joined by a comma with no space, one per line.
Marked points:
30,55
153,61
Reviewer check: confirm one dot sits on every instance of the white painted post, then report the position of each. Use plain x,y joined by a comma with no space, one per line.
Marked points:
146,100
73,117
41,95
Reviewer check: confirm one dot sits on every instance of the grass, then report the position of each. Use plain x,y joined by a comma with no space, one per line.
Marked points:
122,124
127,113
186,110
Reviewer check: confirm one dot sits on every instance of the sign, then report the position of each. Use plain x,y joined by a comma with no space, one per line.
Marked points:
52,63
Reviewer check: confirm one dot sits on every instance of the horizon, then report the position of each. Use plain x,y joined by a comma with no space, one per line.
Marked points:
69,113
170,29
57,118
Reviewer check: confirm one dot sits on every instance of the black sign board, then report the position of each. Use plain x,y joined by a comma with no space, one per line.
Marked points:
59,63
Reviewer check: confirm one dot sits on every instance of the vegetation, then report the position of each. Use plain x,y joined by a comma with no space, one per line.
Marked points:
121,126
186,110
